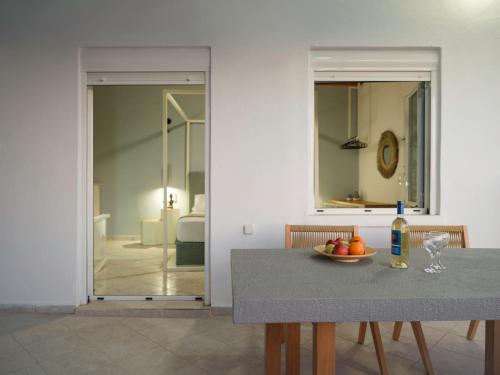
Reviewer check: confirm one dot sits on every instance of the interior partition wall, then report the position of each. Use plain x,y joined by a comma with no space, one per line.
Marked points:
133,66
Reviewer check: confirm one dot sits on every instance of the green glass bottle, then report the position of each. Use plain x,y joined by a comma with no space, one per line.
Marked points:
400,257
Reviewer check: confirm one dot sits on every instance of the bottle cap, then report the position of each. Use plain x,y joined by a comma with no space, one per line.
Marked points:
401,207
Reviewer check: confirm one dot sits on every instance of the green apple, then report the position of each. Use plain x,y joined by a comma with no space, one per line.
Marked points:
329,248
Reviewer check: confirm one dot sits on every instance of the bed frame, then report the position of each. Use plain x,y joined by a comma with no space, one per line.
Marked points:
192,253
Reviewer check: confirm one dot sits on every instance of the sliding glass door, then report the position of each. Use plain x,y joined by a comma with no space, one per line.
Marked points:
148,177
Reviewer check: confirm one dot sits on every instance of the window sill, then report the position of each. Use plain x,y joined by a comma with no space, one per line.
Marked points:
367,211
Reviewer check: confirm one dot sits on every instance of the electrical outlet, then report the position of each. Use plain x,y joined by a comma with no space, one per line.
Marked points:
248,229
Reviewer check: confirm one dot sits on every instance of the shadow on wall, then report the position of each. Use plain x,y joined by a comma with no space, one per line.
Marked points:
126,147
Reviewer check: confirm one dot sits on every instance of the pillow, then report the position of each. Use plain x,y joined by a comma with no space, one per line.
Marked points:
199,203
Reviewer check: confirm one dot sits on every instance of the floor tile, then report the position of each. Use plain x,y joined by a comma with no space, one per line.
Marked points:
35,370
84,360
116,341
14,359
365,359
432,333
195,347
454,363
55,346
169,330
155,361
129,268
461,345
7,341
230,363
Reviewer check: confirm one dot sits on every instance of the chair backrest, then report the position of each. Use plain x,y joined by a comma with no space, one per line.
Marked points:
303,236
459,237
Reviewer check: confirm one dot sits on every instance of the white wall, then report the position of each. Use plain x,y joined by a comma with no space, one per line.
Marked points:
259,96
338,168
128,154
382,107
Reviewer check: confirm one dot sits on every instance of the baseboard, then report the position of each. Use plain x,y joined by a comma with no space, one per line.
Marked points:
221,311
33,308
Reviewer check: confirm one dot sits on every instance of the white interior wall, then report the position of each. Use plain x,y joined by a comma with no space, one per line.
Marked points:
128,155
259,117
382,107
338,168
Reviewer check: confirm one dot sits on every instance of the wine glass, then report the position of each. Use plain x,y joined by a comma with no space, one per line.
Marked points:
433,243
443,242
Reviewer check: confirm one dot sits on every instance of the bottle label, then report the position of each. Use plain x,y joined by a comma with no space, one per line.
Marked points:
396,242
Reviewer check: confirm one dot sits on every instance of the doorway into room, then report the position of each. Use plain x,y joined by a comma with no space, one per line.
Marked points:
148,190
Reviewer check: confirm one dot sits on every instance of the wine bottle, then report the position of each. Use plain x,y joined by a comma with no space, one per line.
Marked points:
399,240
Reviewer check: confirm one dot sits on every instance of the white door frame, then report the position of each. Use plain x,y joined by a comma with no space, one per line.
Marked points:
141,66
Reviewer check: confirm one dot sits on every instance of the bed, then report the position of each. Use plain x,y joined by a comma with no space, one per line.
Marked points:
190,236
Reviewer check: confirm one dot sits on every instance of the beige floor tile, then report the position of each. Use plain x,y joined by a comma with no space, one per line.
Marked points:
432,333
453,363
405,347
138,324
195,347
7,341
41,332
116,341
168,331
55,346
13,322
14,359
230,363
35,370
461,345
80,361
155,361
365,359
75,322
128,268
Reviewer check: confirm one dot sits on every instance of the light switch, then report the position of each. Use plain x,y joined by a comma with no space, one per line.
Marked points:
248,229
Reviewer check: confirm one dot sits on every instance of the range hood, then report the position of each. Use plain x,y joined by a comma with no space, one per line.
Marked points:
353,144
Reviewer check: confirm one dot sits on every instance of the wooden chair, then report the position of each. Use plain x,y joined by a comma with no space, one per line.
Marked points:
459,238
306,236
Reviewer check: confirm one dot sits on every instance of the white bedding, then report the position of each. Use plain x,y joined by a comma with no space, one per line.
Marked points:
191,228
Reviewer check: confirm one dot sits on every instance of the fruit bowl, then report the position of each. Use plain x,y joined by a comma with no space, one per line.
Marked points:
369,252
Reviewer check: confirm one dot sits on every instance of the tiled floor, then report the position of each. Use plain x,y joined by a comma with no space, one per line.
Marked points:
129,268
68,344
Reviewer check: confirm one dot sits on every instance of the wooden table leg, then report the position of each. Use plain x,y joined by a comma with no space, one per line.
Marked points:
492,349
362,332
471,332
324,348
397,330
273,348
422,346
379,348
293,349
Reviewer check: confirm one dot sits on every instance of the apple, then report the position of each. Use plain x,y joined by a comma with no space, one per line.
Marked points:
329,248
330,242
341,249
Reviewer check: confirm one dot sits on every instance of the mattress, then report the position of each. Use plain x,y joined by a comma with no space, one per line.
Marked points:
191,228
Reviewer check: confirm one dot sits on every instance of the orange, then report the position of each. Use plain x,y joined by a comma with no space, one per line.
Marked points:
357,248
357,238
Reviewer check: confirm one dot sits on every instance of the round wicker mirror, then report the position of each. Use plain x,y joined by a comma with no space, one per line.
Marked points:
387,154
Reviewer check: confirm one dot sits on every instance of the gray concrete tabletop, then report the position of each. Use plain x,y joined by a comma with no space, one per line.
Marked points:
299,285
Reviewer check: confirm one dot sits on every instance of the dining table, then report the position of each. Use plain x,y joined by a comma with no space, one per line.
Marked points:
286,288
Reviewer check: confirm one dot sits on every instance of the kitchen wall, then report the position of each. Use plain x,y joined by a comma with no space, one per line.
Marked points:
382,107
259,115
337,168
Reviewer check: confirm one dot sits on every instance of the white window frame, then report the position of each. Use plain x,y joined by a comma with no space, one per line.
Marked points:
375,64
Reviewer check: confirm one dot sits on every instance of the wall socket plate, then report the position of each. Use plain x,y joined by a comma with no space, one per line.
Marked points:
248,229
